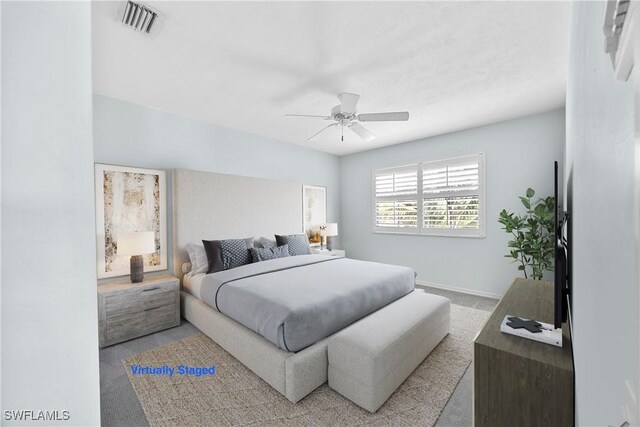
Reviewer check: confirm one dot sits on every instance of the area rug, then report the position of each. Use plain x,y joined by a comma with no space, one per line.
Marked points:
235,396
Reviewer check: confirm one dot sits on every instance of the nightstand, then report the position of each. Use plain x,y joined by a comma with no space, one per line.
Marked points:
333,252
129,310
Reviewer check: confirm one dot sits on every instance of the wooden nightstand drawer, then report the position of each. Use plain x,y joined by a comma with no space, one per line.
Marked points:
122,304
124,327
129,310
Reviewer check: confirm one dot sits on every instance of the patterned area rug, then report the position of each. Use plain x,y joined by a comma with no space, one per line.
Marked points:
235,396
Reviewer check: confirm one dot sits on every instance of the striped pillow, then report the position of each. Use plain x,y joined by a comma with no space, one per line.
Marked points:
264,254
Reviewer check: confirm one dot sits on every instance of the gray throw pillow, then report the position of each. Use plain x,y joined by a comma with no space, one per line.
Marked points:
298,243
235,253
264,254
226,254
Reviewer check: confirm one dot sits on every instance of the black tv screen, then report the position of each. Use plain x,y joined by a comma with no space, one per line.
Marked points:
561,290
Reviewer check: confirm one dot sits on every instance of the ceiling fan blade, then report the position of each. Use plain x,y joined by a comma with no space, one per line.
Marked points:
348,102
308,115
316,135
400,116
362,132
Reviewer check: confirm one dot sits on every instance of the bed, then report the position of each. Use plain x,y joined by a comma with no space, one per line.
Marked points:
297,301
243,309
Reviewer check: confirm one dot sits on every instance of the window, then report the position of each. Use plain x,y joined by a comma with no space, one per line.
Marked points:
436,198
397,198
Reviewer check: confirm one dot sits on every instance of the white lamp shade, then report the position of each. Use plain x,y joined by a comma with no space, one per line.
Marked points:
331,230
136,243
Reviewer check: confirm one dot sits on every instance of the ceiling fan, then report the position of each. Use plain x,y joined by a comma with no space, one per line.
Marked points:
345,115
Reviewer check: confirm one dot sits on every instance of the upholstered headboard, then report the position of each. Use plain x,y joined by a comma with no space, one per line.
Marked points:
217,206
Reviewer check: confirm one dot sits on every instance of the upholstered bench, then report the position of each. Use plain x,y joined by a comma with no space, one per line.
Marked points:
371,358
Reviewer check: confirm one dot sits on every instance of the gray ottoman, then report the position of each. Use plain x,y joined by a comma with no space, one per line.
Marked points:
371,358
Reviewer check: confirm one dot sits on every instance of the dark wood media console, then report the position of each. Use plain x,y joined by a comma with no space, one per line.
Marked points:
517,381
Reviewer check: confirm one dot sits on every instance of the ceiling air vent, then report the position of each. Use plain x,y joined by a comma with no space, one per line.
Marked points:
139,17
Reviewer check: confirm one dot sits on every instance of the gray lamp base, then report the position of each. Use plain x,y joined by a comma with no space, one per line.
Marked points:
329,243
137,268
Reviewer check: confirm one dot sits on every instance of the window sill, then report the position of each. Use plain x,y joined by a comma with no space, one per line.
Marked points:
432,234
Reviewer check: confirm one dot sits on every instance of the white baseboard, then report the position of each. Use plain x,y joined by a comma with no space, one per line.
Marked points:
421,283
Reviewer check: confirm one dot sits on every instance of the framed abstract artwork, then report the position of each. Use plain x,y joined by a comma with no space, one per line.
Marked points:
314,211
129,199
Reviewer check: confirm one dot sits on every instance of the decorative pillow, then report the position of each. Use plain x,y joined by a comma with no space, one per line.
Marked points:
198,258
298,243
235,252
249,241
214,255
264,254
226,254
265,242
186,267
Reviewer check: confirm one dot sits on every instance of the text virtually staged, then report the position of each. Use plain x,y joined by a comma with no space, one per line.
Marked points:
171,370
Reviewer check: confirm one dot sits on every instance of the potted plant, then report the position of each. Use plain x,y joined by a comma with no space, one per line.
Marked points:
533,234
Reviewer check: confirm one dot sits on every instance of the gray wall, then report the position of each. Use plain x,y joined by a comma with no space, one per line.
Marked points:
49,313
1,134
600,171
519,154
134,135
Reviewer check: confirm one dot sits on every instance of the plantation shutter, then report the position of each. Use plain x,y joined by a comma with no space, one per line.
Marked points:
444,197
451,193
396,198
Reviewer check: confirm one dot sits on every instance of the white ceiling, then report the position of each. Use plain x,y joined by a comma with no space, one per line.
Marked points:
452,65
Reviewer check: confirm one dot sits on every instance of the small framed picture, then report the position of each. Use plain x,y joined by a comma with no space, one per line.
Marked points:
314,199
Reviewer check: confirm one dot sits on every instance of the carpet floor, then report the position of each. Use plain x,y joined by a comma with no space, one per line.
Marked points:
235,396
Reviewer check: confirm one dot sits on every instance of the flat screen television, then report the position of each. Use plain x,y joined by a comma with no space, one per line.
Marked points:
561,257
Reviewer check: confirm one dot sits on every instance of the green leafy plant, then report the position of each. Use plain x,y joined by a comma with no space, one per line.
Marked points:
533,234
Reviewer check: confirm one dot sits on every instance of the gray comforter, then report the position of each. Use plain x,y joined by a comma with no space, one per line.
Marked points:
297,301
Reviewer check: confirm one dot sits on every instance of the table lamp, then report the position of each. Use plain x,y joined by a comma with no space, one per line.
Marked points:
136,244
330,230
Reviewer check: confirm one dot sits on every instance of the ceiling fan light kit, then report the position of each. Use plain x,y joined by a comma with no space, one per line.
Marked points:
345,115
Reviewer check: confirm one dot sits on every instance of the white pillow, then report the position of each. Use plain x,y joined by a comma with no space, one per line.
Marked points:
198,258
250,241
265,242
